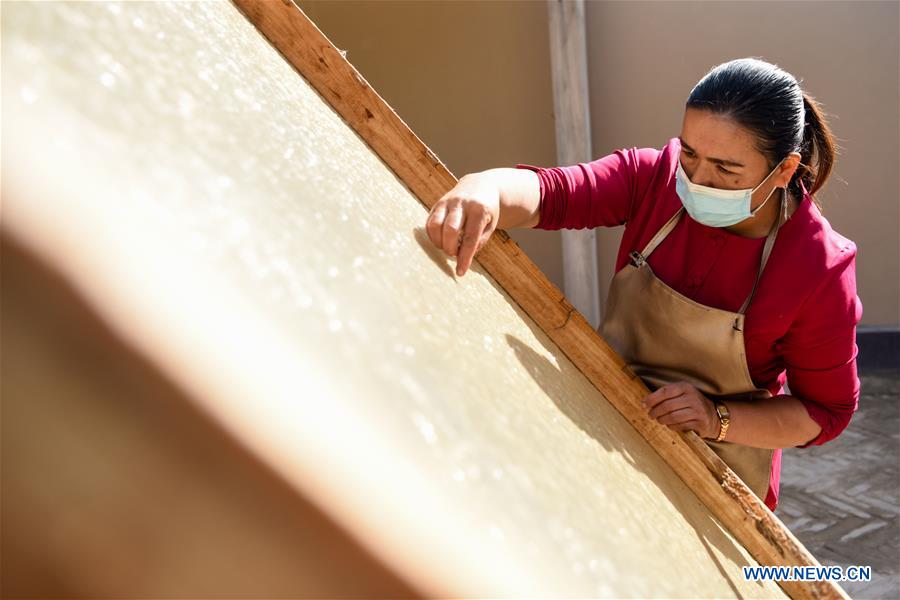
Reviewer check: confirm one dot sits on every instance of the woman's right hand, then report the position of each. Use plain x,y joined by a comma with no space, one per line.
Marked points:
462,221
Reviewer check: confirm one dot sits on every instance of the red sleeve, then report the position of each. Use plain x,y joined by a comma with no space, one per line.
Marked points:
593,194
819,350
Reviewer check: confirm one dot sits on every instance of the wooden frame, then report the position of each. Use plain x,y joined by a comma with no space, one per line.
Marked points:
307,49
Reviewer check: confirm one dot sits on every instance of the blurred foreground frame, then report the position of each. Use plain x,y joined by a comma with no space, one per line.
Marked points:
150,447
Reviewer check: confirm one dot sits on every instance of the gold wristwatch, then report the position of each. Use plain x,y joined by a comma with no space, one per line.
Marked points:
724,419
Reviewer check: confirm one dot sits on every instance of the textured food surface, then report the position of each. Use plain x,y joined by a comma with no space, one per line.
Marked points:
213,194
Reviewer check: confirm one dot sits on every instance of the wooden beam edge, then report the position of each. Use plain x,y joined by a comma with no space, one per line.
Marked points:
315,58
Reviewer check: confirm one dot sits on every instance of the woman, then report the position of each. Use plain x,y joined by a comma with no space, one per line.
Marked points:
729,281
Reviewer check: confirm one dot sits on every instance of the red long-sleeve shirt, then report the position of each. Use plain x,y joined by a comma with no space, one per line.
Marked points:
801,324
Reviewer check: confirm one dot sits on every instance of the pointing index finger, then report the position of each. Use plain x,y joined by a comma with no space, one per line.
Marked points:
471,235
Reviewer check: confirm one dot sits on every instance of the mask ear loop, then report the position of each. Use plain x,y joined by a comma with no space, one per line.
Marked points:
758,208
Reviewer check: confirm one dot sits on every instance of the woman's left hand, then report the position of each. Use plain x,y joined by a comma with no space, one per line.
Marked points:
683,407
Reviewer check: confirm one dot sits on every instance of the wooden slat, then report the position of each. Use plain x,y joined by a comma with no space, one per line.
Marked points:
305,47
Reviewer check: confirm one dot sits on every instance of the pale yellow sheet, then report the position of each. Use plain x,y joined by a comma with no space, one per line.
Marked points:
231,225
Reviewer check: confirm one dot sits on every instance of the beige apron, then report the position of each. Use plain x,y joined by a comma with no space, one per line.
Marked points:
666,337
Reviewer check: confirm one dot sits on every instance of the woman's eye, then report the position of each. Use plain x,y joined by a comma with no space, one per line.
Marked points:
725,171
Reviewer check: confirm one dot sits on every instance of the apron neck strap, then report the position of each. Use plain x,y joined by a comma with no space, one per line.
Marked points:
657,239
767,248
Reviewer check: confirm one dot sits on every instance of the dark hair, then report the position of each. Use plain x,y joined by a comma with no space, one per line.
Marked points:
768,101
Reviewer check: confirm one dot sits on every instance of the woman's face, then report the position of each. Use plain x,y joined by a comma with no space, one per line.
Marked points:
719,153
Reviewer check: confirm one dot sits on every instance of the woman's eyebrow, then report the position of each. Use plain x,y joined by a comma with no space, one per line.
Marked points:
721,161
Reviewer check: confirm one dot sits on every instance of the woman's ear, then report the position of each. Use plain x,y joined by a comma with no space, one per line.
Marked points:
788,168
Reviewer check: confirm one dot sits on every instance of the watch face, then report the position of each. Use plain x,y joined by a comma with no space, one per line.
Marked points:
721,410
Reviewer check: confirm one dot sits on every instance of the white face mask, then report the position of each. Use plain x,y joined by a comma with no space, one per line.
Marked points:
716,207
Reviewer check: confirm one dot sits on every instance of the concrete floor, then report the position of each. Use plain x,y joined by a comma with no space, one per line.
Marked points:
842,499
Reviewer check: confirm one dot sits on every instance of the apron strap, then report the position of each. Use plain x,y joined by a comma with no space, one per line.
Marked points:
661,234
767,248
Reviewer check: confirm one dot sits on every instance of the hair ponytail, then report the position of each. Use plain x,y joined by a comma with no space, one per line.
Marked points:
817,151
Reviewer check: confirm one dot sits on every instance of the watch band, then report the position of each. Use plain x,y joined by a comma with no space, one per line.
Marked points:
724,419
